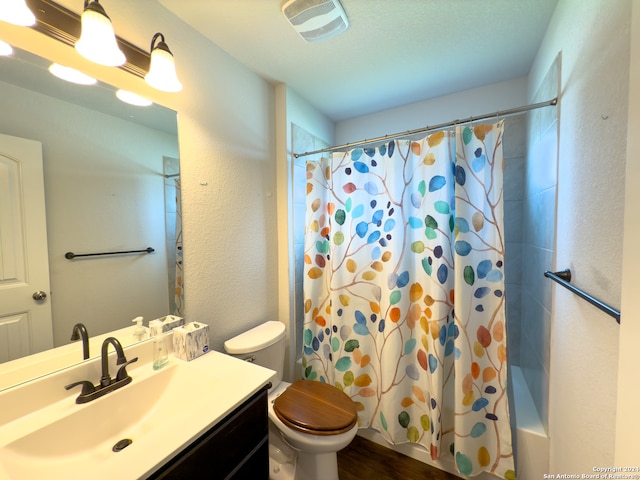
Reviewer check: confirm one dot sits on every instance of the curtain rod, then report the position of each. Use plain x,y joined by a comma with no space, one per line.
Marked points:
504,113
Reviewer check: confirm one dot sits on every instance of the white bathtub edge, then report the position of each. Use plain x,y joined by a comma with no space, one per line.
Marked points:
532,455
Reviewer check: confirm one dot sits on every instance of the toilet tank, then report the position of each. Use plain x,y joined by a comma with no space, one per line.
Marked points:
263,345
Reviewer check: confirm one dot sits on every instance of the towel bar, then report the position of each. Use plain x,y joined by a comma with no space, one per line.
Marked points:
71,255
564,277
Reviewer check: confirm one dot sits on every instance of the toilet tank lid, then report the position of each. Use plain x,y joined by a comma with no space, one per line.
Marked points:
255,339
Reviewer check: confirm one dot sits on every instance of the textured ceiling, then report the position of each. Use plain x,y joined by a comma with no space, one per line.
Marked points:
395,52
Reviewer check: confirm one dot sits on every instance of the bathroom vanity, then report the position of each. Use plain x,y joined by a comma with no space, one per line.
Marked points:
201,419
237,447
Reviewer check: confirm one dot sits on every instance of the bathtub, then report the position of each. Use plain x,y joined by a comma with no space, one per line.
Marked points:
531,442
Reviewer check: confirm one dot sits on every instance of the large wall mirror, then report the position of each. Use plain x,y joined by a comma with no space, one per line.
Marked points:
111,180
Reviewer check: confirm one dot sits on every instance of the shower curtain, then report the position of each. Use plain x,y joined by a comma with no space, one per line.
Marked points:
404,292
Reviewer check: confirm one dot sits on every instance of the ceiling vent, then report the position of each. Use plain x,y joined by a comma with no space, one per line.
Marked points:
315,20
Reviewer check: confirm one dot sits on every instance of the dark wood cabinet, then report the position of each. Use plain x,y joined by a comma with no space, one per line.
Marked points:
236,448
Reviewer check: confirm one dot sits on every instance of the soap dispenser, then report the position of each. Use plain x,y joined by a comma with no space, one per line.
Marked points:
139,332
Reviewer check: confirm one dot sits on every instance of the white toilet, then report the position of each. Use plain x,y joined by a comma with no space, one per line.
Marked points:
314,419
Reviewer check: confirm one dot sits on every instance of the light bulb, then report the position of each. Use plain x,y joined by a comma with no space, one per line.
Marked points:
133,98
97,39
5,49
16,12
162,69
71,75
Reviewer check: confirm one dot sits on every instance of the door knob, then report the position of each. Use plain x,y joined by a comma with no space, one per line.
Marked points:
40,295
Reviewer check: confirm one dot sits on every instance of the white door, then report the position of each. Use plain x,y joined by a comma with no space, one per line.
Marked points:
25,306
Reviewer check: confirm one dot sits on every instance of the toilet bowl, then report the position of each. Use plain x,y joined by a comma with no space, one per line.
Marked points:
316,446
309,421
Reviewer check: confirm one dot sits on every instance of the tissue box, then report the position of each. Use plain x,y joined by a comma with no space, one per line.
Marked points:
190,341
164,324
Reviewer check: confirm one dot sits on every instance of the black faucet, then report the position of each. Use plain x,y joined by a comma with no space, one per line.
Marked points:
79,330
105,379
107,384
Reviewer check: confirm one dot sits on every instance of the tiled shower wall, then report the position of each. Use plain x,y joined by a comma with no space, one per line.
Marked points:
538,248
514,150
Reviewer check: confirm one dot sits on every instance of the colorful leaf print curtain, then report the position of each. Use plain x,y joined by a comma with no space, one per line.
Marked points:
404,292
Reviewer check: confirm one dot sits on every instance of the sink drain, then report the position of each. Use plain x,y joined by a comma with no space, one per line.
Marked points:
122,444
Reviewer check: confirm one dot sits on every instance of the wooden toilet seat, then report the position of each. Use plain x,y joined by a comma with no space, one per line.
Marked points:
316,408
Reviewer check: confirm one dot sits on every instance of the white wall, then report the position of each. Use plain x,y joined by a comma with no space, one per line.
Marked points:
478,101
228,171
104,192
628,413
593,37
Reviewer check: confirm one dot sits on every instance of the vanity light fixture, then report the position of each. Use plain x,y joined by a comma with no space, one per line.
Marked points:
162,69
97,39
133,98
157,67
5,49
71,75
16,12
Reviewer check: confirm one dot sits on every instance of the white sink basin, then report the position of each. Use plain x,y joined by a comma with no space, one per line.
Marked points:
160,412
129,412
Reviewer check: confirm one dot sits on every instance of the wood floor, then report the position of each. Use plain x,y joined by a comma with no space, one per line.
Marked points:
366,460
